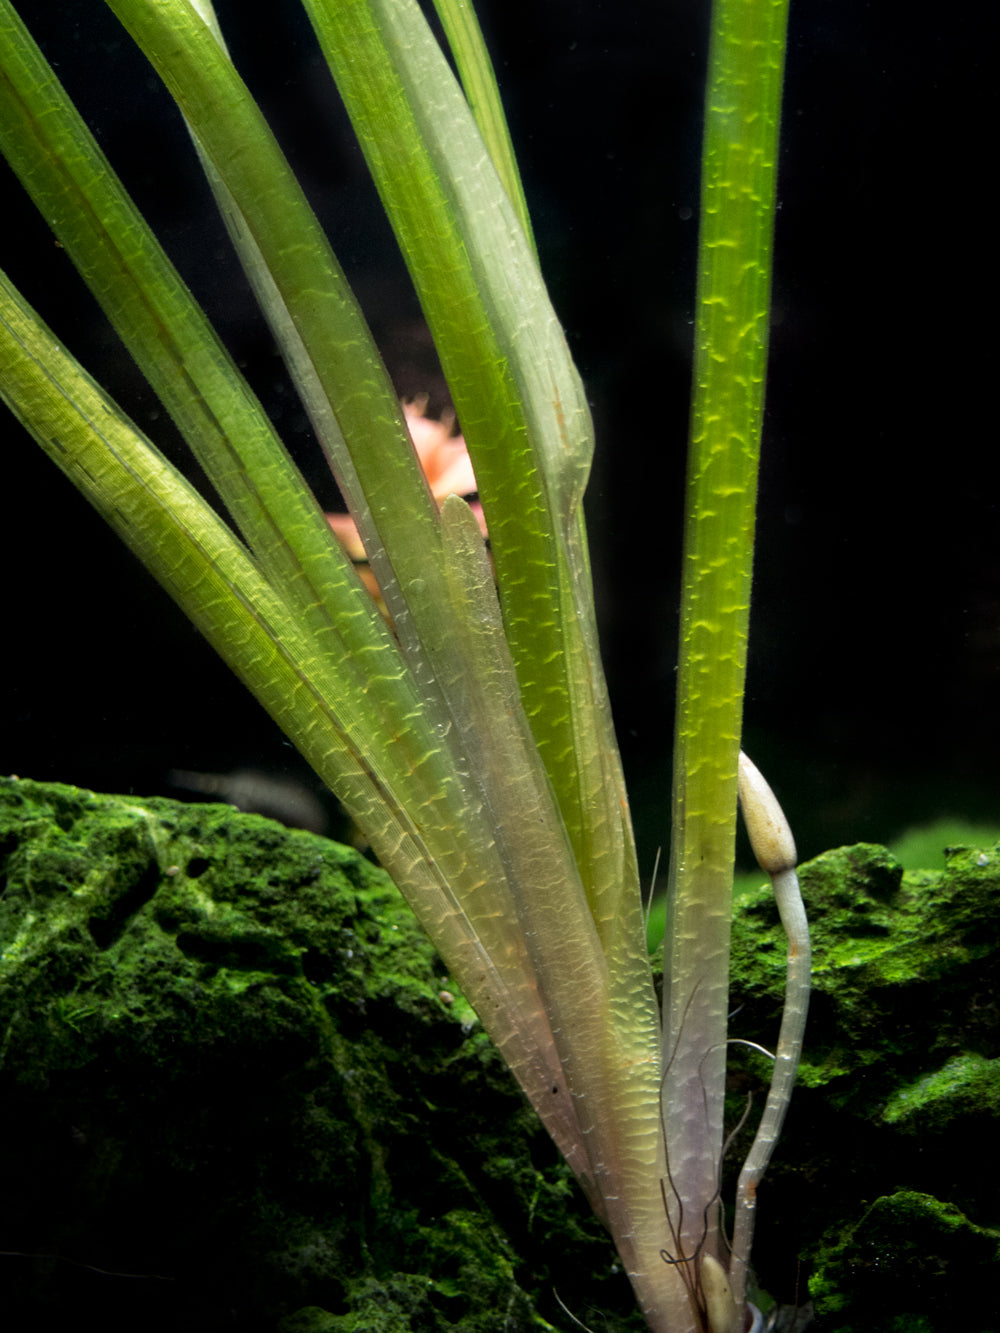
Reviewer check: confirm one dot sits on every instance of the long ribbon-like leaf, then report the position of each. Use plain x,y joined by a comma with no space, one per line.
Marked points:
521,405
533,903
396,779
97,224
475,69
733,301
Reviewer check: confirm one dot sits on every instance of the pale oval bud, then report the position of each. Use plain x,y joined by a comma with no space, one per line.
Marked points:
770,836
720,1308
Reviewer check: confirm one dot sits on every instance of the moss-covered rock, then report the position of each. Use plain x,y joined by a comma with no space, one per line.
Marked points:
882,1201
237,1090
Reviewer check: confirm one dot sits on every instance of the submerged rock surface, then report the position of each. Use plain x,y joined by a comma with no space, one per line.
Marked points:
882,1200
238,1090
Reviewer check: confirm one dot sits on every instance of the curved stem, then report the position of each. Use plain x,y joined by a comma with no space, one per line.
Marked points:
774,848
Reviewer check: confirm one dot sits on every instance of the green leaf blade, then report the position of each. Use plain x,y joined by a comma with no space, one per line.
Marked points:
733,303
147,302
475,69
381,478
520,402
356,719
370,729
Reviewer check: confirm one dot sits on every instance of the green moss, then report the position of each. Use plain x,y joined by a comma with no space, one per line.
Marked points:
899,1096
236,1078
238,1089
967,1085
896,1268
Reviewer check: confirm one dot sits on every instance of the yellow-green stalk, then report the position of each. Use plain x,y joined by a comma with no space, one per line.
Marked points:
733,298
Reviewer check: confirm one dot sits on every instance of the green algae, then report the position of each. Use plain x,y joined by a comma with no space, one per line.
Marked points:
899,1094
239,1087
240,1091
967,1085
924,1245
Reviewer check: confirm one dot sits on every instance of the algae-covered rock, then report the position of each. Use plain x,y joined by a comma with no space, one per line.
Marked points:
237,1090
883,1199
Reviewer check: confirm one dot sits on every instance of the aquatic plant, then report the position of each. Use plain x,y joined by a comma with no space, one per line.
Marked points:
469,736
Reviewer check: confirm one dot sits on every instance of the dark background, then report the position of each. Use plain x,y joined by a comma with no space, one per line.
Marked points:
875,642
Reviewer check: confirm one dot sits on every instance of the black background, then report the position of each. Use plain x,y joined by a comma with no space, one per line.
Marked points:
875,642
